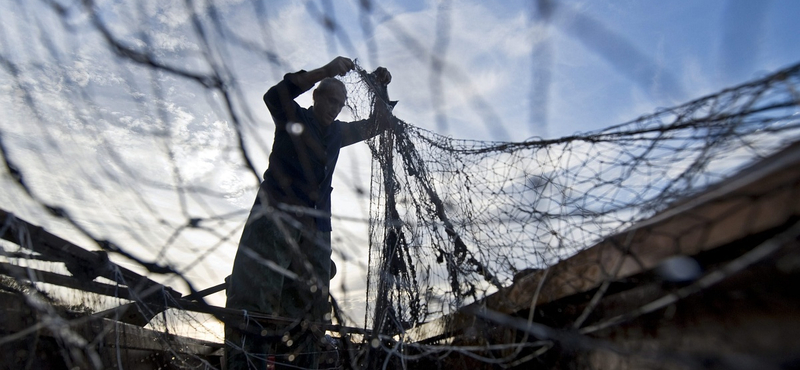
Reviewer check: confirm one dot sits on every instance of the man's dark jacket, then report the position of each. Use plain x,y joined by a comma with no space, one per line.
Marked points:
304,152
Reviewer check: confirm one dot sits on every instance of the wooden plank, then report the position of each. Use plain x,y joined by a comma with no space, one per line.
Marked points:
25,273
105,332
748,319
134,337
39,240
759,198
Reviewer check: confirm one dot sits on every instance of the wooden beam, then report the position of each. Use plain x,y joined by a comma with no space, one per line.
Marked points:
35,275
39,240
105,332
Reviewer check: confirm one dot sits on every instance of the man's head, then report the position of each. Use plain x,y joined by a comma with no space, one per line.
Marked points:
329,98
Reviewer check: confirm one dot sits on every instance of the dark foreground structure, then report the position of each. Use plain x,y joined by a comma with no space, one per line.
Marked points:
97,342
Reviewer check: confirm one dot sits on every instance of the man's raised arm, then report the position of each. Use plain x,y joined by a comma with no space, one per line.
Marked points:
280,98
339,66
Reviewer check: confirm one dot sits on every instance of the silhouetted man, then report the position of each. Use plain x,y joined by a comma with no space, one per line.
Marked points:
283,265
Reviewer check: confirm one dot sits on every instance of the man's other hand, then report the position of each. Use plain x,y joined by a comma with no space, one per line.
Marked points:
339,66
382,76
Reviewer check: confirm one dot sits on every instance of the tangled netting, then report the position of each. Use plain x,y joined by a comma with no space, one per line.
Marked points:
452,221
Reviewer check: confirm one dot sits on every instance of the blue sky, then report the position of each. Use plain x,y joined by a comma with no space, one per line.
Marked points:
113,142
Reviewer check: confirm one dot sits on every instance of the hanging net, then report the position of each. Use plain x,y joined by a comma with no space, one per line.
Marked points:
452,221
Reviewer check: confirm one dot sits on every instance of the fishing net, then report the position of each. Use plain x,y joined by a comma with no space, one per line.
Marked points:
452,221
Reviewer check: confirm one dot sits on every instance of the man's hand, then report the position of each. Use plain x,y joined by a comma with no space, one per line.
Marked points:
339,66
382,76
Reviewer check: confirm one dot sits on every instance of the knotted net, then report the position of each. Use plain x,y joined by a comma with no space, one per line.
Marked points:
452,220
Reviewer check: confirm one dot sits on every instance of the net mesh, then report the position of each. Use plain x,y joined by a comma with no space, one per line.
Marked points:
452,221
